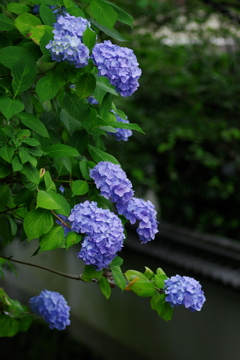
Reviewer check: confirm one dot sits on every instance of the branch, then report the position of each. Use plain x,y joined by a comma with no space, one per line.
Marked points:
69,276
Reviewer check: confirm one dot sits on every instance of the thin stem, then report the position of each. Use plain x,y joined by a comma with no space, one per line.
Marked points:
69,276
16,207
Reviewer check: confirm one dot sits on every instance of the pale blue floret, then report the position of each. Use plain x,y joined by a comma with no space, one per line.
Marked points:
121,134
144,212
112,182
104,233
184,290
119,65
52,307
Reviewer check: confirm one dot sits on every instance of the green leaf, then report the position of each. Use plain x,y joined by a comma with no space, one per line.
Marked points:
105,286
5,169
79,140
75,107
85,85
79,187
162,307
64,208
99,155
10,107
23,134
103,13
142,286
76,12
10,54
47,87
46,201
50,186
118,276
47,15
13,225
69,122
90,273
26,22
30,141
6,24
106,106
41,33
69,3
37,222
17,8
6,153
54,239
24,73
103,84
5,195
117,261
16,164
23,155
89,38
72,238
123,16
148,273
33,123
9,131
31,173
61,150
159,281
112,33
8,326
32,186
120,125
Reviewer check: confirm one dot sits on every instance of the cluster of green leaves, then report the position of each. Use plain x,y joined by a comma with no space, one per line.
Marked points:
50,136
14,317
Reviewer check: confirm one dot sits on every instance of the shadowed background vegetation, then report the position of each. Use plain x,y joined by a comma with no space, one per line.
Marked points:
188,105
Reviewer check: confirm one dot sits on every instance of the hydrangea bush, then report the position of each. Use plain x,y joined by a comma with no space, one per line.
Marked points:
58,183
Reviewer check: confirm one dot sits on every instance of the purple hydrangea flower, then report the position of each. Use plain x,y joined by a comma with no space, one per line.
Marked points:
112,181
70,49
121,134
52,307
119,65
145,213
91,100
184,290
65,219
104,233
71,25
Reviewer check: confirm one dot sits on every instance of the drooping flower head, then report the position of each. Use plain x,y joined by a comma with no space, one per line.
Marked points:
119,65
52,307
104,233
145,213
121,134
184,290
112,182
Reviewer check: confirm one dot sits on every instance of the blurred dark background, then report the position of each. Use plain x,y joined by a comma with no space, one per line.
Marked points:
188,106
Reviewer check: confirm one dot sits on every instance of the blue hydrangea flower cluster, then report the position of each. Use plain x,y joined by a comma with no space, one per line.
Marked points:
121,134
52,307
112,182
67,42
104,233
119,65
184,290
145,213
